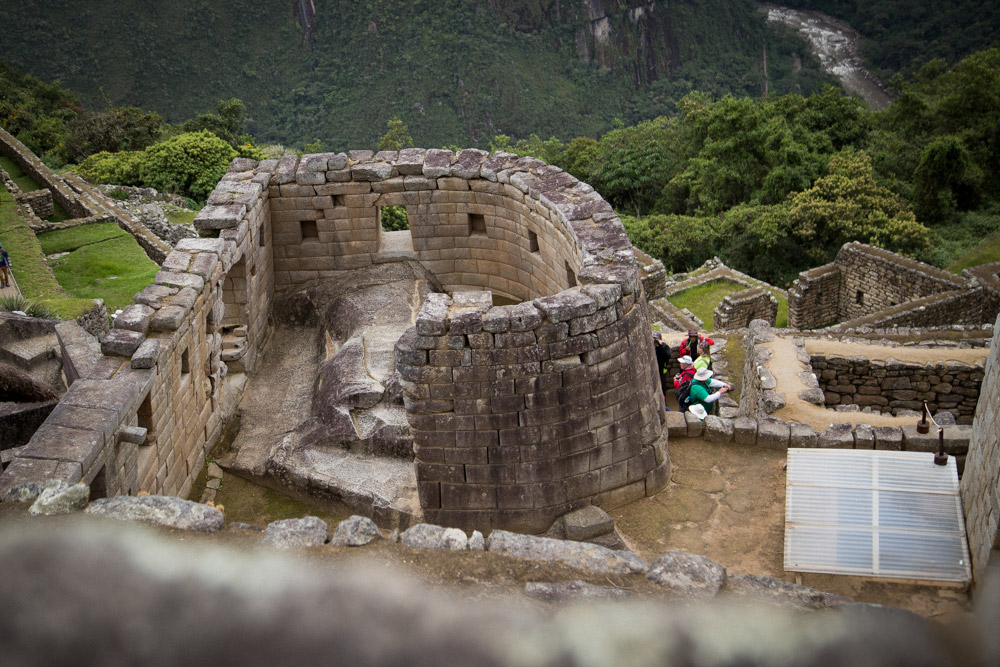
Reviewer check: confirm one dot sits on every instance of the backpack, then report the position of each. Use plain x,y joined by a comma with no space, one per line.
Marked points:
684,395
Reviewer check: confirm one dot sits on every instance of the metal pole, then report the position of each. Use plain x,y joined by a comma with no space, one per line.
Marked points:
923,426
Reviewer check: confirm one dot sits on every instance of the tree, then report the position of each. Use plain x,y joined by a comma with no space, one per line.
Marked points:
228,123
117,129
946,179
634,164
848,205
396,138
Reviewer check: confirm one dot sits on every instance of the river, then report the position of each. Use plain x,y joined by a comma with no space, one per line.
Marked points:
836,45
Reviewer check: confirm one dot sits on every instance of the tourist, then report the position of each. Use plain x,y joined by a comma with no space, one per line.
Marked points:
689,345
4,268
704,358
682,381
662,359
700,386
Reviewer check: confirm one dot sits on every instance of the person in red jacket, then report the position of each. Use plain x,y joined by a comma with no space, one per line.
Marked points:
689,346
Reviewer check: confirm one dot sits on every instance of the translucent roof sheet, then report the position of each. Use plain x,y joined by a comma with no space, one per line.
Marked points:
875,513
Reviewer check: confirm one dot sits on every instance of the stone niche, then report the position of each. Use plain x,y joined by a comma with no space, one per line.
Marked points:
891,386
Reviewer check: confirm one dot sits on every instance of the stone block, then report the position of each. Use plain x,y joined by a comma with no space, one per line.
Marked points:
888,438
837,436
864,437
121,342
956,439
587,523
168,318
802,435
146,354
695,427
677,424
220,217
745,431
773,432
718,429
135,318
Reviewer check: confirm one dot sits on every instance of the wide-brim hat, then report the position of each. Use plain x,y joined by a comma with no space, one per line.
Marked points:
686,359
702,374
698,411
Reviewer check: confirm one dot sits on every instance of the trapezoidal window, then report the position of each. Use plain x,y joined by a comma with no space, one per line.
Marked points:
570,276
532,241
310,232
393,218
477,224
859,298
185,362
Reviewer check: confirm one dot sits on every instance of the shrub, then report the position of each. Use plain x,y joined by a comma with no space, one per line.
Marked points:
26,306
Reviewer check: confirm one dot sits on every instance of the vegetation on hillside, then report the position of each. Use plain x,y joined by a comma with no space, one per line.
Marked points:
776,185
455,71
901,36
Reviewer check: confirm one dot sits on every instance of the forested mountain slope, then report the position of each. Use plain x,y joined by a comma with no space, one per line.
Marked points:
456,71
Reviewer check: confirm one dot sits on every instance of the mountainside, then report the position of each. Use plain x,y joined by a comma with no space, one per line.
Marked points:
456,71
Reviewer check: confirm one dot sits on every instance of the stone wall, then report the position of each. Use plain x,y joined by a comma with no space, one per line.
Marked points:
736,311
144,409
814,298
519,413
40,202
873,280
866,286
981,483
41,174
889,387
522,413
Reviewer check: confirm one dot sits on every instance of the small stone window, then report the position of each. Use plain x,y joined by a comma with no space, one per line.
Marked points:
532,241
859,298
393,218
262,237
310,232
570,276
477,224
338,200
185,362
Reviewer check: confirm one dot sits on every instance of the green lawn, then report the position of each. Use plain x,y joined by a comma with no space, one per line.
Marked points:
104,262
702,300
180,217
32,274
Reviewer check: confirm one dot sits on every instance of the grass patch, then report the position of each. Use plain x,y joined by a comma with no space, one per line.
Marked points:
21,179
703,299
987,251
31,272
181,217
27,184
104,262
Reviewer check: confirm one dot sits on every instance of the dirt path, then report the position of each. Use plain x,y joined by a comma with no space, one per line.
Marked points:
785,367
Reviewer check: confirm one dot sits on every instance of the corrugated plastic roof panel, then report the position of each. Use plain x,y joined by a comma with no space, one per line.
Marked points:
876,513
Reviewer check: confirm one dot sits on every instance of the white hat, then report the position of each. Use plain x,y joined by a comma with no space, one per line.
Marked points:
702,374
698,411
685,360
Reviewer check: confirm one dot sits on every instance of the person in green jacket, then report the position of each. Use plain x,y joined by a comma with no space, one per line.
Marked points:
701,389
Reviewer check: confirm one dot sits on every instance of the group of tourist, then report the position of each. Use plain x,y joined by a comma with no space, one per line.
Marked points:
693,385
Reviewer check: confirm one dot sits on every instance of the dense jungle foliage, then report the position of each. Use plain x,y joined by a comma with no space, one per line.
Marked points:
455,71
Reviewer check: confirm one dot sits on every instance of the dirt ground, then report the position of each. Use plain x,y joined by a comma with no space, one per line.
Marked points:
727,502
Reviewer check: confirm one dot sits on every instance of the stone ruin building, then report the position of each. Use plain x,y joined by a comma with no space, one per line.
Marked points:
509,378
